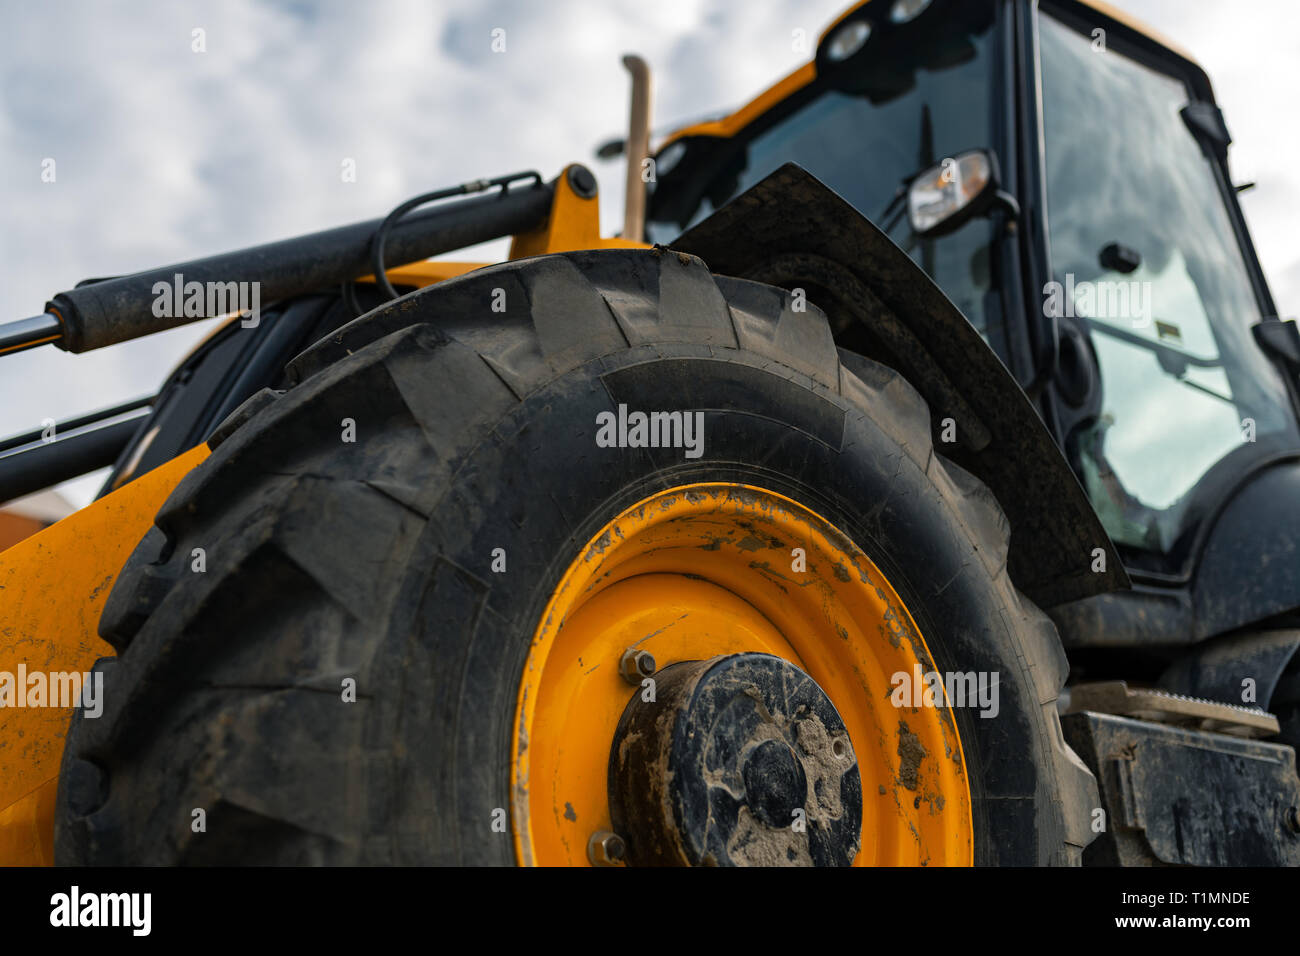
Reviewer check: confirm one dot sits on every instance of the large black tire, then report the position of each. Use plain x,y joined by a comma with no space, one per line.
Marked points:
475,430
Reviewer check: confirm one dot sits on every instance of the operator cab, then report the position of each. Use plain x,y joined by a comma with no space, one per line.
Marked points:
1124,298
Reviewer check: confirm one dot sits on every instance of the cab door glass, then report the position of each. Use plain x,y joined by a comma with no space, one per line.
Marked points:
1146,264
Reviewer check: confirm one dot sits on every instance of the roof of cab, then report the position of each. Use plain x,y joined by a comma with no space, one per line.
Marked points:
733,123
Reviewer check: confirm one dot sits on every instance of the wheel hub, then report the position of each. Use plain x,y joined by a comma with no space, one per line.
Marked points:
737,760
706,571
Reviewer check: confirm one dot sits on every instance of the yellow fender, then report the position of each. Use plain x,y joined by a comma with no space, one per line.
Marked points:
53,586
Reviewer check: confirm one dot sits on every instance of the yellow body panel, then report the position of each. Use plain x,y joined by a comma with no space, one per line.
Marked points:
427,272
574,223
53,586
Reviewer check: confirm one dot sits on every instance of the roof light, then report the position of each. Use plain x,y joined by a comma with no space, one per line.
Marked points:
848,40
904,11
669,157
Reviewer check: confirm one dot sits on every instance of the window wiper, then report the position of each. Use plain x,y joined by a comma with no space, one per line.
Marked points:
1173,361
1176,358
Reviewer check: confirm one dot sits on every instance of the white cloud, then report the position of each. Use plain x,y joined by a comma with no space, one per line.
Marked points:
1251,51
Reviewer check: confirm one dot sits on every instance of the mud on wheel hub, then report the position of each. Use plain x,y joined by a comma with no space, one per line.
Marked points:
739,760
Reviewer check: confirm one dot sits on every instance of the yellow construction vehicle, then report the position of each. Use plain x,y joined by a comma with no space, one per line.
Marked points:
914,481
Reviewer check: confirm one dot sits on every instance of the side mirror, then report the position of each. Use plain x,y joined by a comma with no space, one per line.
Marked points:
946,196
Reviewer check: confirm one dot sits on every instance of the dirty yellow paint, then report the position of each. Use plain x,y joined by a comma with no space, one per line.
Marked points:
709,569
53,586
27,828
573,224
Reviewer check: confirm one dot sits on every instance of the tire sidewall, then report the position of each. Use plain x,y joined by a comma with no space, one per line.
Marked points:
539,488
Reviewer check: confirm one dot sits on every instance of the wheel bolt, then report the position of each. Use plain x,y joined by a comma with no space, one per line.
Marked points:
606,848
636,665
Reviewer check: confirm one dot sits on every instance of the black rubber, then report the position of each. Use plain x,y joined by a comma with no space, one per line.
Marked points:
372,560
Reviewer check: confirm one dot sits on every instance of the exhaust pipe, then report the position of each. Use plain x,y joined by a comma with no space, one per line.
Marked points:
638,147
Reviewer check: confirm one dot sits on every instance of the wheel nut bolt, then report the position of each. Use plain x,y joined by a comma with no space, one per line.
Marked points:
606,849
636,666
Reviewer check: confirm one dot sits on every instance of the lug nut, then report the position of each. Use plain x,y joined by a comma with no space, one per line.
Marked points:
636,665
606,848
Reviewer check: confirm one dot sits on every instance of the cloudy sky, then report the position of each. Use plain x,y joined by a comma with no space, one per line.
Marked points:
163,153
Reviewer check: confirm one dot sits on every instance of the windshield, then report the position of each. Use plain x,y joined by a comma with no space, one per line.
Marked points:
931,102
1146,264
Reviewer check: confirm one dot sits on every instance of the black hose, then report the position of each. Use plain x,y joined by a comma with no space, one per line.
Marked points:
381,234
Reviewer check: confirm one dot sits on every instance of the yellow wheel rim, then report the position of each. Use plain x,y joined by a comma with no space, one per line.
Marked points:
711,569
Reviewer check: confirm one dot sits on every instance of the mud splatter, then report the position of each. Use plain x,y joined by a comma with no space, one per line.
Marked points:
911,753
599,546
753,844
